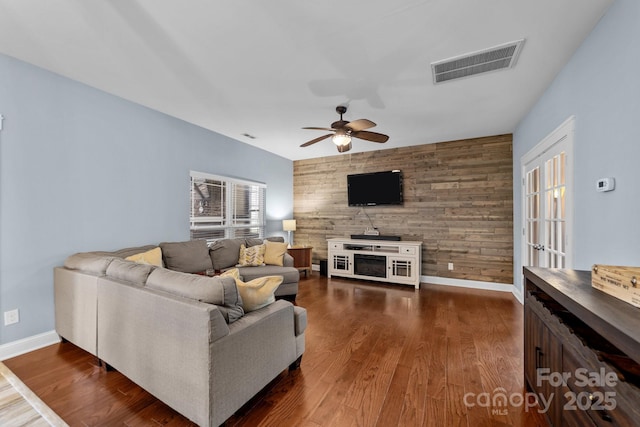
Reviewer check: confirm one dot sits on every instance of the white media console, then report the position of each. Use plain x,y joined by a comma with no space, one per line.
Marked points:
381,260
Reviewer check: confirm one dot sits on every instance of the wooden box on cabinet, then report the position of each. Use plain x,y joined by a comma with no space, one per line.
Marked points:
620,282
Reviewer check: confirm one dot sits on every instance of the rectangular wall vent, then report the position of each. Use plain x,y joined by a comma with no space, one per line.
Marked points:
492,59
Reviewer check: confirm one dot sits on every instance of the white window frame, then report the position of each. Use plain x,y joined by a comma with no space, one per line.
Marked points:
228,223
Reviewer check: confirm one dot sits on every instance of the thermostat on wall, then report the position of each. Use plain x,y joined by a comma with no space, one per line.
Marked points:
606,184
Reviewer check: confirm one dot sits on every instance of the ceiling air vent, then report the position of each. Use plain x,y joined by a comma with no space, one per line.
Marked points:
492,59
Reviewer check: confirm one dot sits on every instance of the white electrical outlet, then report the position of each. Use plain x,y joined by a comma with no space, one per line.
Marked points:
450,266
11,317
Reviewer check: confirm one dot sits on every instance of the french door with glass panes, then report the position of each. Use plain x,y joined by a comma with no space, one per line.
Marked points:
547,201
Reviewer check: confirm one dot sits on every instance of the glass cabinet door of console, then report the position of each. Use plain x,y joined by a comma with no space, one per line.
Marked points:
341,262
401,268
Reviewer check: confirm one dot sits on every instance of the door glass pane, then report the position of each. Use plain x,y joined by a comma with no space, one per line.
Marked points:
534,257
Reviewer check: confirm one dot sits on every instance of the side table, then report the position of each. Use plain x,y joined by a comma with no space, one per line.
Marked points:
301,258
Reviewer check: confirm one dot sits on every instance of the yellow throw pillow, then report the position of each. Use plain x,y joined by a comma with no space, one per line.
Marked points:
274,253
151,257
252,256
258,292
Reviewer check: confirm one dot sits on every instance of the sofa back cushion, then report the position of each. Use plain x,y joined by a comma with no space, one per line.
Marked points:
252,241
129,271
224,253
188,257
89,262
221,291
97,261
278,239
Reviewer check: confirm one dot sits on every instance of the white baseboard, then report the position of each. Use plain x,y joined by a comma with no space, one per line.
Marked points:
25,345
473,284
518,294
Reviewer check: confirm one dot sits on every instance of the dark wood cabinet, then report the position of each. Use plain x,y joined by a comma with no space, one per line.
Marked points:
581,350
542,356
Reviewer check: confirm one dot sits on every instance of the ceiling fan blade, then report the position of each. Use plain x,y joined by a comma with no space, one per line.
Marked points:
315,128
318,139
360,124
370,136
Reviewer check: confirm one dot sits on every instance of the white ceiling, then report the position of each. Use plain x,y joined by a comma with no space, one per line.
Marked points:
268,68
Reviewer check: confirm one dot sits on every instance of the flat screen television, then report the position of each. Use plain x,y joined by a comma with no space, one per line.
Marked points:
377,188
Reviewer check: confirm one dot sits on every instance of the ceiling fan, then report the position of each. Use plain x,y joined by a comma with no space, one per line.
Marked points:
343,131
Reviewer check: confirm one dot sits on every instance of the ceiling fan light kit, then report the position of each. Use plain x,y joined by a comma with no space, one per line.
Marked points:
341,138
343,131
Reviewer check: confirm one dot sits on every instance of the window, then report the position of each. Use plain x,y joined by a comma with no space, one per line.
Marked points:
224,207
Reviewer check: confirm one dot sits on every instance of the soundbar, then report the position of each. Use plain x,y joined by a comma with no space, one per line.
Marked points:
370,237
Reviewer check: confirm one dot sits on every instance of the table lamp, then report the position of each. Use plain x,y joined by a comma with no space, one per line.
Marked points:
289,225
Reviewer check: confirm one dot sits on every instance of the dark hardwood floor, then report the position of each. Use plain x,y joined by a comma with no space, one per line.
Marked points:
376,355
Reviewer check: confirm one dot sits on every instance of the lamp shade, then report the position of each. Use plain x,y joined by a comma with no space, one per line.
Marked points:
289,224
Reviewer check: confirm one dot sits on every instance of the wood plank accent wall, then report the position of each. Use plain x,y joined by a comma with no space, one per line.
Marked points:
458,200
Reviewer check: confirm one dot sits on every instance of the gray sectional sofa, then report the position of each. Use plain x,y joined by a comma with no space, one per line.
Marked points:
183,337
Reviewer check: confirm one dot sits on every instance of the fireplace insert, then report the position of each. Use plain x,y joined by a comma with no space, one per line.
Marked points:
370,265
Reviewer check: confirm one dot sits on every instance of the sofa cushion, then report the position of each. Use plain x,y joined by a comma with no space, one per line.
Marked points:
188,257
90,262
221,291
151,257
252,256
252,241
123,253
290,274
129,271
224,253
256,293
274,253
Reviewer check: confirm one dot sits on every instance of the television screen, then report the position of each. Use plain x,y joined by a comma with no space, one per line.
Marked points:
378,188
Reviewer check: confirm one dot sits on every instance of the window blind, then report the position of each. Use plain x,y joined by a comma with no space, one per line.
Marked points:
223,207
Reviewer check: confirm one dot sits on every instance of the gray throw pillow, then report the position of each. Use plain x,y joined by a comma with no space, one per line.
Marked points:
188,257
224,253
221,291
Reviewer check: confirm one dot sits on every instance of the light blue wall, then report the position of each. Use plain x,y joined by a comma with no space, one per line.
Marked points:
83,170
601,87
